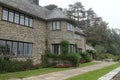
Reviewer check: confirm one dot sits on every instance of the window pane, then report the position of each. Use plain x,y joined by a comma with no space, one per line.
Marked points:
14,49
2,47
56,48
30,50
71,48
20,49
53,26
77,36
22,19
9,48
25,49
5,14
16,20
11,16
31,22
26,21
68,26
79,50
58,24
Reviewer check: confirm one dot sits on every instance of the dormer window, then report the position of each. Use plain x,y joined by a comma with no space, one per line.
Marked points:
56,25
70,27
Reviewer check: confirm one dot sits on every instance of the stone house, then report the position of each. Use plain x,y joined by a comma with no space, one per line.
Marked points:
27,30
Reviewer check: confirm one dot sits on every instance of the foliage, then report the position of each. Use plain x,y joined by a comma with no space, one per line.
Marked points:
76,11
8,65
102,56
64,47
72,58
100,49
86,56
76,48
51,6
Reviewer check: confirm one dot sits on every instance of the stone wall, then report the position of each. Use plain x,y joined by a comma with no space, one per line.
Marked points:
81,43
63,34
59,35
36,35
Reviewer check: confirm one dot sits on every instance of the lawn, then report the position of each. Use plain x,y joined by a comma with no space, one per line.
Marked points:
30,73
94,75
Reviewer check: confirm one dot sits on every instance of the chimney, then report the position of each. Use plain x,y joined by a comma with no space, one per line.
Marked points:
34,2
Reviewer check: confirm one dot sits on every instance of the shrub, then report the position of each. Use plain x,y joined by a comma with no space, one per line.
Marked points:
86,56
73,59
76,48
7,65
64,47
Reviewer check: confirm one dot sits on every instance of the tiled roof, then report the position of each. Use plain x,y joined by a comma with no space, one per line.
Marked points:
78,30
26,6
33,9
56,14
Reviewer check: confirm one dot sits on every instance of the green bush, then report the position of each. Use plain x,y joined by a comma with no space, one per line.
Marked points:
72,58
104,56
64,47
7,65
86,56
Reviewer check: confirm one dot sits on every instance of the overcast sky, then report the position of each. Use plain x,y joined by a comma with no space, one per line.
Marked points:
109,10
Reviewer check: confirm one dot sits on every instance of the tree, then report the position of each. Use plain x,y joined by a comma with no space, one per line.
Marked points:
96,35
51,6
77,12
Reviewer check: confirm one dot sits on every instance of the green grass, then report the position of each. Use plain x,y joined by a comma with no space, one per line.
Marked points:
94,75
88,64
30,73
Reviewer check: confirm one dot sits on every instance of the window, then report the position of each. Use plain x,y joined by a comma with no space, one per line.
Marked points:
79,50
3,47
22,20
56,48
77,36
70,27
25,49
29,49
20,49
11,16
8,47
17,17
26,21
5,14
31,22
15,48
56,25
72,48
